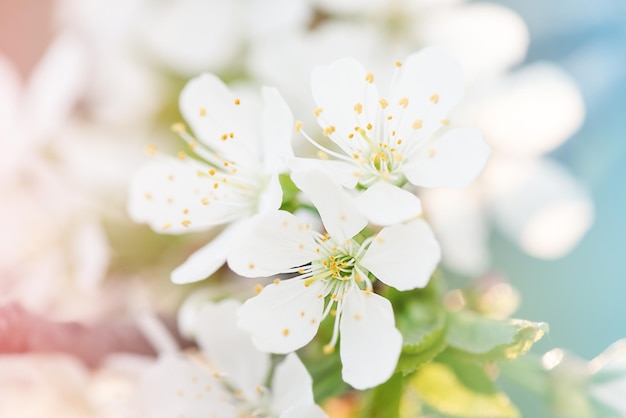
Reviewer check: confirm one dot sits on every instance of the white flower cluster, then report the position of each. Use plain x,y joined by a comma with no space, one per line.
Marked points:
385,141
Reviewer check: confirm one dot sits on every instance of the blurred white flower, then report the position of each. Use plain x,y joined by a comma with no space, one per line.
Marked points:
390,137
331,277
227,378
242,149
608,381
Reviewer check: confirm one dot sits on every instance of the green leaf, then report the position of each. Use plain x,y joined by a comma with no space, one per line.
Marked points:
492,340
441,387
409,362
383,401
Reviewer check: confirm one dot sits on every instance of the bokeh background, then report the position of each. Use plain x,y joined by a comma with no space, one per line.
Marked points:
123,97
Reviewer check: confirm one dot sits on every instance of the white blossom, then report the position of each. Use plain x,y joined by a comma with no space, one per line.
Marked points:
331,277
241,150
387,139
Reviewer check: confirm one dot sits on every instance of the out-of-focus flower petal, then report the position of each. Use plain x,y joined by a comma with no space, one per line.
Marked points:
386,204
292,385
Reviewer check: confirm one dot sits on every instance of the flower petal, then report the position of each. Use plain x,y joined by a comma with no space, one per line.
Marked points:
454,160
427,86
212,111
386,204
177,387
403,256
284,316
271,243
342,172
206,260
347,97
338,211
370,342
271,197
168,194
230,348
292,385
277,132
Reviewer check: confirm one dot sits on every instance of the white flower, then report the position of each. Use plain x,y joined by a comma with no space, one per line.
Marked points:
243,151
332,276
227,379
387,139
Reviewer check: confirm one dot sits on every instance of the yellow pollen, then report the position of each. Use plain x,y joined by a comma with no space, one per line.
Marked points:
301,246
383,103
350,135
202,111
357,277
298,125
285,332
185,222
398,157
417,124
251,266
258,288
181,155
178,127
329,130
193,144
148,196
369,126
357,316
204,201
445,122
404,102
231,134
302,313
224,137
237,102
399,142
285,223
313,320
358,108
393,133
225,163
216,185
434,98
432,153
389,117
212,172
318,111
328,349
259,389
151,150
276,281
170,200
398,64
319,296
166,226
185,211
369,77
333,312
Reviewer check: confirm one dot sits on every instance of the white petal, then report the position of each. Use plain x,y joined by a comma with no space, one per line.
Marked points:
292,385
338,90
403,256
432,83
308,411
485,38
206,260
459,220
271,197
342,172
55,85
212,110
271,243
338,211
166,192
454,160
277,132
177,387
284,316
199,44
540,205
386,204
370,342
230,348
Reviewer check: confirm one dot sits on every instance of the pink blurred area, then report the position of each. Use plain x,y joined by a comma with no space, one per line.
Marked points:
30,23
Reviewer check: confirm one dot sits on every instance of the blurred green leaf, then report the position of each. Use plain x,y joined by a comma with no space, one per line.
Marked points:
492,340
461,390
383,401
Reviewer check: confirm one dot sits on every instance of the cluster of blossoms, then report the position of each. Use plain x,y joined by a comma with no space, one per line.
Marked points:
384,142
